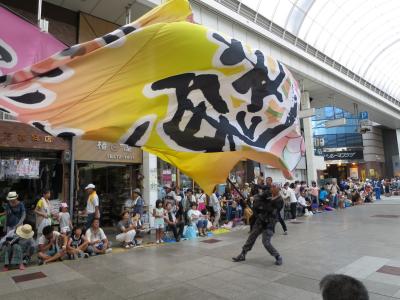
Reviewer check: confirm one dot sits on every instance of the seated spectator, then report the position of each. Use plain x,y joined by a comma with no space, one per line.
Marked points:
2,218
247,212
137,222
172,223
323,195
52,246
77,244
342,287
205,215
195,218
301,201
98,242
18,249
309,206
127,230
65,219
356,198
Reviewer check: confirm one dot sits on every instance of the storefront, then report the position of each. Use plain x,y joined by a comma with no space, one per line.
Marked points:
115,169
170,175
32,161
344,163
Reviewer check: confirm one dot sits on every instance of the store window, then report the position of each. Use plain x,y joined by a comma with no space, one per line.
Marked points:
114,184
29,173
170,175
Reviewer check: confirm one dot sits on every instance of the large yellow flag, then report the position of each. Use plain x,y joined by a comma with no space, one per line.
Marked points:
194,97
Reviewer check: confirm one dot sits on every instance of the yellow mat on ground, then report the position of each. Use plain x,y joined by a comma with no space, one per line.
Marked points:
220,231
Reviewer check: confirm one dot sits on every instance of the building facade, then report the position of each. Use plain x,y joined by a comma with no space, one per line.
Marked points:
32,161
347,152
115,170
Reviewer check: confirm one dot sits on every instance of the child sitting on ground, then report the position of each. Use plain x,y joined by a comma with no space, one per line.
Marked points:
139,228
77,244
50,247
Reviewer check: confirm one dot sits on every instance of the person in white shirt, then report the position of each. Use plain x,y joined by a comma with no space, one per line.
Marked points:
98,242
302,200
52,245
169,192
92,206
293,200
214,203
65,219
187,202
197,219
201,202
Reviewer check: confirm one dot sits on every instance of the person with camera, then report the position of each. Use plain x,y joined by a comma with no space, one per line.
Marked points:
266,207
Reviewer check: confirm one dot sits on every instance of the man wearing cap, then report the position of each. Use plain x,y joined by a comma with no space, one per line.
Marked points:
169,192
15,212
138,202
187,202
18,248
92,205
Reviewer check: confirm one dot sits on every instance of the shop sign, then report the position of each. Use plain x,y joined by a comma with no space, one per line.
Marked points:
167,176
9,137
99,151
19,135
344,155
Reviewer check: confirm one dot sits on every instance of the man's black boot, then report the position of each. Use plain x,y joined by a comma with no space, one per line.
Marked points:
279,260
240,257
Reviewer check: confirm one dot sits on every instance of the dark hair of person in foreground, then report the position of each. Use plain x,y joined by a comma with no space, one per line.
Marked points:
342,287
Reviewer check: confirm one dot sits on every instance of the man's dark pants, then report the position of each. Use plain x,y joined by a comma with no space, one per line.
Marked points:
89,220
177,229
267,232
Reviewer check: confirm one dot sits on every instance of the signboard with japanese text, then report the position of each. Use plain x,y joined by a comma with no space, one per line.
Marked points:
98,151
18,135
344,155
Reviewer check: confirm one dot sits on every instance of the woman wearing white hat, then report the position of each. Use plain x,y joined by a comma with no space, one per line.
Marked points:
19,248
15,212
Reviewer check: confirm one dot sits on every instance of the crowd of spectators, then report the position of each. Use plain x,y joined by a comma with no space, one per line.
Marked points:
177,215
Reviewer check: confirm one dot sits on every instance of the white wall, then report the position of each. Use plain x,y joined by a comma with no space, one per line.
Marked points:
276,174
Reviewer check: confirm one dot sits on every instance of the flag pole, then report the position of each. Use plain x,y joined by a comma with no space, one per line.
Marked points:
236,189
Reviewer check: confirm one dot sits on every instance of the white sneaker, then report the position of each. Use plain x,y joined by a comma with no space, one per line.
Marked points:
161,241
157,242
109,250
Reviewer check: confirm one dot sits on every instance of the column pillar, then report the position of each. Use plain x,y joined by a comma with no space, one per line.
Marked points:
150,183
308,139
398,140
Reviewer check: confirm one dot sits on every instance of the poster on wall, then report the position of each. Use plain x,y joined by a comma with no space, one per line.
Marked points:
354,173
167,177
372,172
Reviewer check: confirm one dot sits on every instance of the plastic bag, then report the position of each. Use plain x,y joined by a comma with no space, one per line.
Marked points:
190,232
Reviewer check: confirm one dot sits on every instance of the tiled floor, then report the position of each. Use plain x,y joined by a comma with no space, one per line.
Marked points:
349,241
